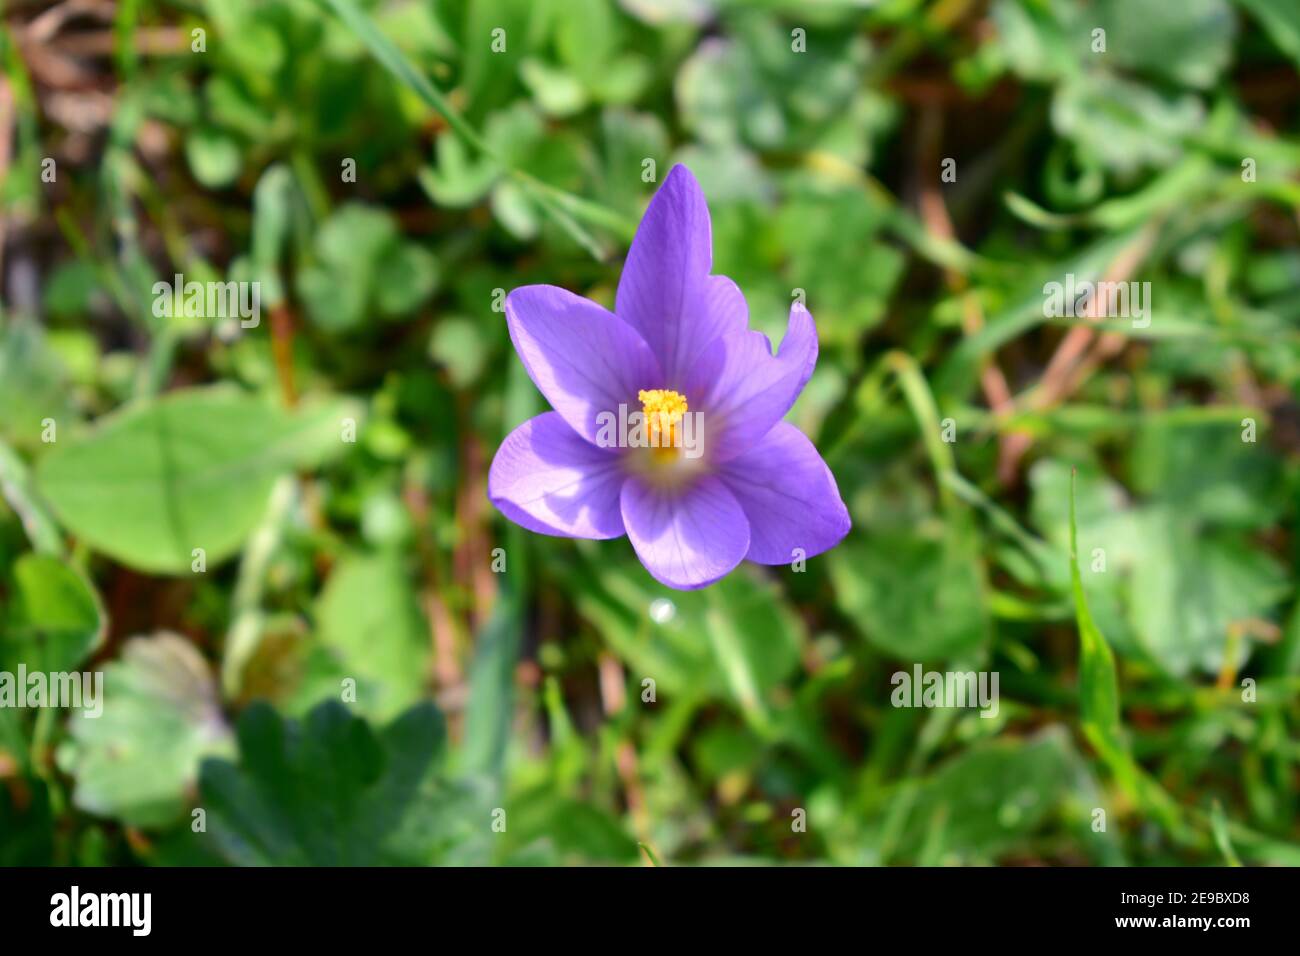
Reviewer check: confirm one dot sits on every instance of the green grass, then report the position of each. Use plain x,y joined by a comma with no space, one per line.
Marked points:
275,542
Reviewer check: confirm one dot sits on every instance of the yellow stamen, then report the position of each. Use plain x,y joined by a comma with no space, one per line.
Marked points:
663,409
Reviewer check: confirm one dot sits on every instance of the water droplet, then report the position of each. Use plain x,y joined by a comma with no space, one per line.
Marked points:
662,610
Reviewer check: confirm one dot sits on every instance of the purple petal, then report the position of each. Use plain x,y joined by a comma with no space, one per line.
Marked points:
743,389
547,479
666,292
582,358
789,496
686,537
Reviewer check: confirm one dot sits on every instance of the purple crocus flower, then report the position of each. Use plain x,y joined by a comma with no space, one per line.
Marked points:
677,344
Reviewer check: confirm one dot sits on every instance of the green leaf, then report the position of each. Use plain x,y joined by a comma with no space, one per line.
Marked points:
1125,125
214,158
18,491
53,620
735,640
192,469
1177,574
139,758
249,40
1047,41
491,59
461,347
557,91
455,180
1200,577
1206,474
339,285
1108,531
485,74
1032,40
755,639
837,253
1195,37
387,53
405,279
33,387
1099,704
370,626
1222,838
989,799
746,88
331,791
1280,20
1098,685
490,709
1193,587
917,595
628,140
27,822
619,604
277,207
362,267
554,830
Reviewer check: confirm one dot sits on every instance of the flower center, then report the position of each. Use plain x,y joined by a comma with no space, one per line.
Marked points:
663,409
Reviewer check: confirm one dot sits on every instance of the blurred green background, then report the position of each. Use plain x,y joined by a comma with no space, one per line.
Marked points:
352,672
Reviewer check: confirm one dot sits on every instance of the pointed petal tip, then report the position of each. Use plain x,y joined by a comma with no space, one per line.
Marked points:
582,358
789,496
665,291
681,172
681,191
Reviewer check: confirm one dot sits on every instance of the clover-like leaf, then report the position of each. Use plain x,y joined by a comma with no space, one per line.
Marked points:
190,470
53,620
137,760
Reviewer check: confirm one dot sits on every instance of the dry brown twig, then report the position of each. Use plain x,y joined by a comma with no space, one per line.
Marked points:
934,213
613,697
43,27
1080,353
